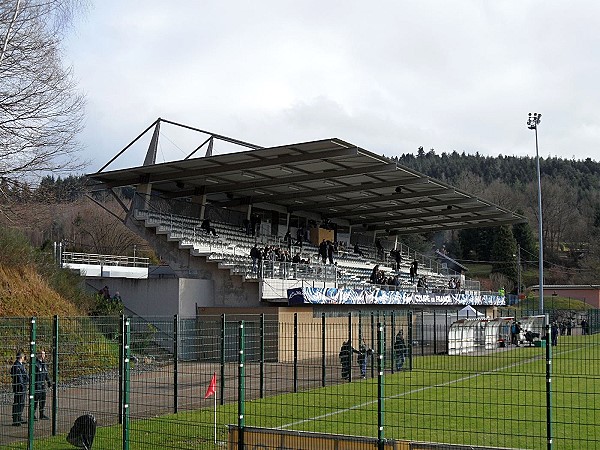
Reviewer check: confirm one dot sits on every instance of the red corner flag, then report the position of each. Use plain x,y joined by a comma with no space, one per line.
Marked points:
212,387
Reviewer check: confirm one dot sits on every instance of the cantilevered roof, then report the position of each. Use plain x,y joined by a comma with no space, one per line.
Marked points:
331,178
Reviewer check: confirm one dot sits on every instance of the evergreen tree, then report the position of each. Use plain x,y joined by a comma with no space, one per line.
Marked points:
524,236
503,252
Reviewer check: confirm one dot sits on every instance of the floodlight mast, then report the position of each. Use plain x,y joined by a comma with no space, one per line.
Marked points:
532,123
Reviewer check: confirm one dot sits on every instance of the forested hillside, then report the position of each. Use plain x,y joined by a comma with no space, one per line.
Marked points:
570,210
57,210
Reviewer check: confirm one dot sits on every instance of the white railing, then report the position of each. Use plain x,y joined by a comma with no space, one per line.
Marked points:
103,260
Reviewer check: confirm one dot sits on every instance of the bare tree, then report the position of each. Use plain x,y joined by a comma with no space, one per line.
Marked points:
41,111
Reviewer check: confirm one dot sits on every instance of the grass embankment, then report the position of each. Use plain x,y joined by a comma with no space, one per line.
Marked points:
31,284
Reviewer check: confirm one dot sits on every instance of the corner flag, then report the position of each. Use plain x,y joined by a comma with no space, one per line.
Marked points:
212,387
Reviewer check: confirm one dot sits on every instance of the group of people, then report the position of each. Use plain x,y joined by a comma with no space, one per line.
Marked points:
252,226
346,358
363,353
326,249
269,253
104,293
565,327
20,385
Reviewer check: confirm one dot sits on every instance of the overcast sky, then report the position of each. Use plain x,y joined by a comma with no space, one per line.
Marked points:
388,76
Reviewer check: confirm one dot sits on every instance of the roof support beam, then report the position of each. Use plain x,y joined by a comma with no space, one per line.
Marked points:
375,199
447,214
393,208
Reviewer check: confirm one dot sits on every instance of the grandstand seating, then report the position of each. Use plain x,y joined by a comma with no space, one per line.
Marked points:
230,249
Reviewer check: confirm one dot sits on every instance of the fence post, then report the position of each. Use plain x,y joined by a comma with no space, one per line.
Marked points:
295,352
350,339
54,372
121,366
393,358
175,363
422,337
31,403
548,385
126,380
241,384
410,339
262,355
323,350
380,387
434,333
372,343
222,356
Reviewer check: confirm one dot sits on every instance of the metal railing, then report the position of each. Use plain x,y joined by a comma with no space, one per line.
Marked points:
104,260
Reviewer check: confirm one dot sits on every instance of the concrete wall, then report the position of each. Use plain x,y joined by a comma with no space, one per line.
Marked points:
219,288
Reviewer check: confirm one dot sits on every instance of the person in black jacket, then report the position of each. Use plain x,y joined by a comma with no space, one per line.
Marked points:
256,256
400,350
41,380
19,380
346,359
206,226
363,353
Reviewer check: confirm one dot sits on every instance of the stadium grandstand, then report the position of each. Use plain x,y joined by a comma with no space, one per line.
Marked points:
306,223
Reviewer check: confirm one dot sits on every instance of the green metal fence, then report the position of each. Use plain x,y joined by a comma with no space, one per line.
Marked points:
279,383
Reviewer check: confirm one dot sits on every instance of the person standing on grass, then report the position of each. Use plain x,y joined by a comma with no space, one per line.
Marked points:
515,330
400,350
346,359
554,333
19,380
41,379
363,353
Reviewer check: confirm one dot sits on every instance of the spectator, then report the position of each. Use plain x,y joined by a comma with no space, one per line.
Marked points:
357,250
256,256
288,239
345,359
400,350
422,284
41,379
515,331
379,248
330,252
285,259
104,293
363,353
205,225
554,334
584,327
255,222
415,270
323,251
246,227
299,236
374,274
397,256
19,380
116,297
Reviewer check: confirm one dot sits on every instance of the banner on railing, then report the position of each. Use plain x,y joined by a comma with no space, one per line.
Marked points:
335,296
